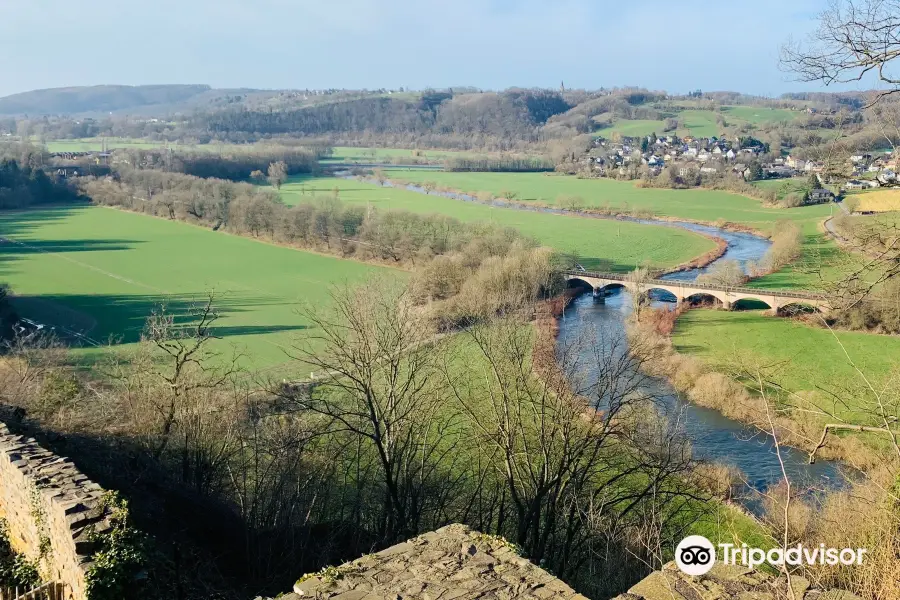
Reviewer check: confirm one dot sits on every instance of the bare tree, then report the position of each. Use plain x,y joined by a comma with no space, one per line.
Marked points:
639,277
856,40
171,388
278,173
886,116
376,381
576,461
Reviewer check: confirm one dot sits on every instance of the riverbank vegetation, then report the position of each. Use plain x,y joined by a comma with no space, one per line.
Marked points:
839,400
595,243
818,260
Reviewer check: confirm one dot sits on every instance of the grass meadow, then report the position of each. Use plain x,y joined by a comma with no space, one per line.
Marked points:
96,144
819,252
802,358
700,122
100,271
599,243
364,155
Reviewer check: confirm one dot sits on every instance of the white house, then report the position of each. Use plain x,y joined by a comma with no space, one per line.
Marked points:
887,176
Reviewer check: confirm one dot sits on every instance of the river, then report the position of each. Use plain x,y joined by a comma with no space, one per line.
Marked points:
714,437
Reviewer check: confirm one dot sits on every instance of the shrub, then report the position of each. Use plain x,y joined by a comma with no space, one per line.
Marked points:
792,200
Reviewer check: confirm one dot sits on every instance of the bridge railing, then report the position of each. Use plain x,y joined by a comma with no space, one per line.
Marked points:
804,295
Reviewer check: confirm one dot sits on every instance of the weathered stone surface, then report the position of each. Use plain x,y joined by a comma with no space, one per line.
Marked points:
45,497
452,563
725,582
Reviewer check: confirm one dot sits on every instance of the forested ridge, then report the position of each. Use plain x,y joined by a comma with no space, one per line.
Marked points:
96,98
515,114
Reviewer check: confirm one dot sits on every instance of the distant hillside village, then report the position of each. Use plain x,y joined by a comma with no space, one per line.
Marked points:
693,160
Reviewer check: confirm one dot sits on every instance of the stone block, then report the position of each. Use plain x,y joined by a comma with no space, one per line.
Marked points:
309,587
656,586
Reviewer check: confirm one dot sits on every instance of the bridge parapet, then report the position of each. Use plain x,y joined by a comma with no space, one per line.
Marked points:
685,289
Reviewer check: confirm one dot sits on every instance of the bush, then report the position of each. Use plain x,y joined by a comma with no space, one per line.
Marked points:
787,241
723,272
573,203
15,569
792,200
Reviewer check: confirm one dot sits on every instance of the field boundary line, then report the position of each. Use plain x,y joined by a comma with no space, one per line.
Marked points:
85,265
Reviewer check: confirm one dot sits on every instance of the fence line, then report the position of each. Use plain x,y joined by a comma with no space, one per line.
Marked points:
52,590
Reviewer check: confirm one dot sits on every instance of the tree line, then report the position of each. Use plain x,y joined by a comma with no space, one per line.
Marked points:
25,185
501,163
233,164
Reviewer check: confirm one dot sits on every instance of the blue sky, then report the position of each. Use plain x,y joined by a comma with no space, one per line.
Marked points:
659,44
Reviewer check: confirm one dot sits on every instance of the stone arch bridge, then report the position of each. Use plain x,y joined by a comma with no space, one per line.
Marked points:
684,290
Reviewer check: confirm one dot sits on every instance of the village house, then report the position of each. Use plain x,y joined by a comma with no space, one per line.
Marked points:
887,176
775,170
795,163
819,196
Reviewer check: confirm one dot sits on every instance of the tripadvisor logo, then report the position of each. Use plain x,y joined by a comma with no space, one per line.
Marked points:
696,555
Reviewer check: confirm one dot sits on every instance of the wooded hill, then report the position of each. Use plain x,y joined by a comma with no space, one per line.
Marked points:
95,99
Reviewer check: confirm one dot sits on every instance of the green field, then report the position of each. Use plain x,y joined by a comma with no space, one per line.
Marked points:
599,243
632,128
101,271
692,205
341,153
96,144
364,155
804,358
759,115
700,122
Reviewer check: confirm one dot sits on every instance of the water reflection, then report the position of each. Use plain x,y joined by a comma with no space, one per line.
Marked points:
714,436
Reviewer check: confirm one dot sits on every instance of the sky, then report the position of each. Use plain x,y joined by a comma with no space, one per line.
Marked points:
490,44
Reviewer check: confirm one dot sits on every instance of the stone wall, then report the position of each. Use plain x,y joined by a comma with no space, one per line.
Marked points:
451,563
456,563
50,508
727,583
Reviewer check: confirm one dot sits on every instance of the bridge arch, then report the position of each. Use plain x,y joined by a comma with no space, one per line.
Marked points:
750,303
579,282
662,293
700,297
610,286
